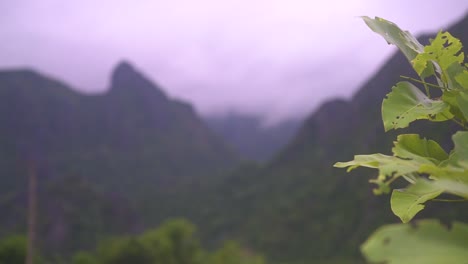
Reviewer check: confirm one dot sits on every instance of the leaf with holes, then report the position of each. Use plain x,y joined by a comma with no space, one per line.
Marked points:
445,51
406,42
406,103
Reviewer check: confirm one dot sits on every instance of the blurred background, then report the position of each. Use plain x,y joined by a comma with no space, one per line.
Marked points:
197,131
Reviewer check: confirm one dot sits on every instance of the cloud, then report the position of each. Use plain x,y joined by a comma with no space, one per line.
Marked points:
275,58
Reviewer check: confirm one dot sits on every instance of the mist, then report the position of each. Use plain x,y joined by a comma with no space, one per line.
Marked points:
275,59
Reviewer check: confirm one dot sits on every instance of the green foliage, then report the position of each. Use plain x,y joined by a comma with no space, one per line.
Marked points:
123,251
232,253
410,154
84,258
423,163
174,242
427,242
414,157
13,250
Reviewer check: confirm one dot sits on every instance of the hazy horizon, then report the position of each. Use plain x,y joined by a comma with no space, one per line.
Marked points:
271,58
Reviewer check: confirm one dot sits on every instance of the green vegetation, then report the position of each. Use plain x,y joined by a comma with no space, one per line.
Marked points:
430,172
174,242
13,250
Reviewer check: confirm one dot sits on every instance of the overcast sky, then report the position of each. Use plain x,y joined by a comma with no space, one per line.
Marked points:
271,57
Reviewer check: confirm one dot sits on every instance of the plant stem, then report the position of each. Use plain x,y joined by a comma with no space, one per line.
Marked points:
459,123
450,200
428,93
426,84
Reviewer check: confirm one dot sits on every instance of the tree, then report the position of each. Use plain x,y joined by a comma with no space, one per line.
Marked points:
84,258
232,253
124,250
174,242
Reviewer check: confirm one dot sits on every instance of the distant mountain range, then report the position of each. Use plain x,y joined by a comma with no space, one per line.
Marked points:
249,136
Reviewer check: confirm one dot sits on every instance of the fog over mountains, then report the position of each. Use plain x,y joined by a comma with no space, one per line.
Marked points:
275,59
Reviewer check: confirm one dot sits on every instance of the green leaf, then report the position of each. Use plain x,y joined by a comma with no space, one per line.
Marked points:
443,50
411,146
454,77
462,100
382,185
427,242
387,165
410,151
370,161
445,170
462,79
408,44
459,156
452,98
458,188
406,203
460,140
406,103
451,176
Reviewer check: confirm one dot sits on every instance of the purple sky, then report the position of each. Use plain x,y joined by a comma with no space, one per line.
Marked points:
271,57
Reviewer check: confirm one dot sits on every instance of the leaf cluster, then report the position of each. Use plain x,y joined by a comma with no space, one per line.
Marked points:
427,168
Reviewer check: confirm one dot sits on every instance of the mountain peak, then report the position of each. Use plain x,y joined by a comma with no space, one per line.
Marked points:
123,67
124,73
125,77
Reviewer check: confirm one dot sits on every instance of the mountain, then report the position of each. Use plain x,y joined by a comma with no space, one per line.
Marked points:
298,208
134,121
250,137
132,142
